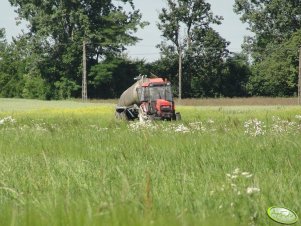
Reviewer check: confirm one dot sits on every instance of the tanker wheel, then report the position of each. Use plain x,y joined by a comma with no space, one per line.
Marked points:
121,116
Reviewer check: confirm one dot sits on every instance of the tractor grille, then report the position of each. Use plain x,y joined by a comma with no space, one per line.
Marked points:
165,108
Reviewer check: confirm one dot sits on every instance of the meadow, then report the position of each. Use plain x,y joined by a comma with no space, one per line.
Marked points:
72,163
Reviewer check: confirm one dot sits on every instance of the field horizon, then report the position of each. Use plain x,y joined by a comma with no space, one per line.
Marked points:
235,101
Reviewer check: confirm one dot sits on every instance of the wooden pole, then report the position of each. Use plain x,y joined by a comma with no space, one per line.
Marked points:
299,78
84,82
180,73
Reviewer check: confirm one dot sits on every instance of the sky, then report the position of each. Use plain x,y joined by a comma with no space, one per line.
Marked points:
232,29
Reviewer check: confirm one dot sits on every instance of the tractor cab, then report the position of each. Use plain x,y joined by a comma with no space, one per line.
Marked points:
156,98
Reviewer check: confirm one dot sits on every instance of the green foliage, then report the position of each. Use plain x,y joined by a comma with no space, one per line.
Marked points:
34,87
192,17
65,88
272,22
204,66
235,76
201,48
12,68
2,39
277,74
102,23
19,75
204,69
111,77
57,30
276,25
46,63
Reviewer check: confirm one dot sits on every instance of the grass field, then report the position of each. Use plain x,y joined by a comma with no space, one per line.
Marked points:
72,163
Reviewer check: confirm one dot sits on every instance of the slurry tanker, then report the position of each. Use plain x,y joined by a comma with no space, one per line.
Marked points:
147,99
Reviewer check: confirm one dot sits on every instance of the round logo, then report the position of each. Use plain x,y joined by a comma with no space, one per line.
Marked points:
282,215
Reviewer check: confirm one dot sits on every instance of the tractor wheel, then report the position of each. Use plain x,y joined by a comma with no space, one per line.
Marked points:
178,116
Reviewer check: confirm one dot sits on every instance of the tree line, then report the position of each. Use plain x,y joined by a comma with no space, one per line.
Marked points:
46,61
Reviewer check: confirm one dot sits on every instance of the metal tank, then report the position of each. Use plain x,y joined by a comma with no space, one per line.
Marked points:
130,96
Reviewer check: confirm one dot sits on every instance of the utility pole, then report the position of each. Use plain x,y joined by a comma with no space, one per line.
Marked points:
84,82
180,72
299,78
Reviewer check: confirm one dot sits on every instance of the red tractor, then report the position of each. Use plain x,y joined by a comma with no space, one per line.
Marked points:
148,98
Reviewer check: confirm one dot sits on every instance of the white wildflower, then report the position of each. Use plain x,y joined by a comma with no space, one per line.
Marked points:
221,206
182,129
103,129
280,126
254,127
7,119
24,127
136,126
210,121
99,129
275,118
40,127
225,128
251,190
236,171
197,126
246,174
298,116
277,128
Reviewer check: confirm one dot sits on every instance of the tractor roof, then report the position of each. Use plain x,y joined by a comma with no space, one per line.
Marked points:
153,81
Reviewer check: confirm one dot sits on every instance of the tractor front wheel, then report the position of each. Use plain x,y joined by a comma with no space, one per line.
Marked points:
178,116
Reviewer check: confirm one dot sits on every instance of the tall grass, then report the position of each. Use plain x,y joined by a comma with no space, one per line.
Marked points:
74,164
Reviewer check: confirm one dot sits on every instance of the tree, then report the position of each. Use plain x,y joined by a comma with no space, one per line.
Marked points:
113,76
19,77
57,30
271,21
235,76
205,64
186,24
277,74
2,39
276,25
